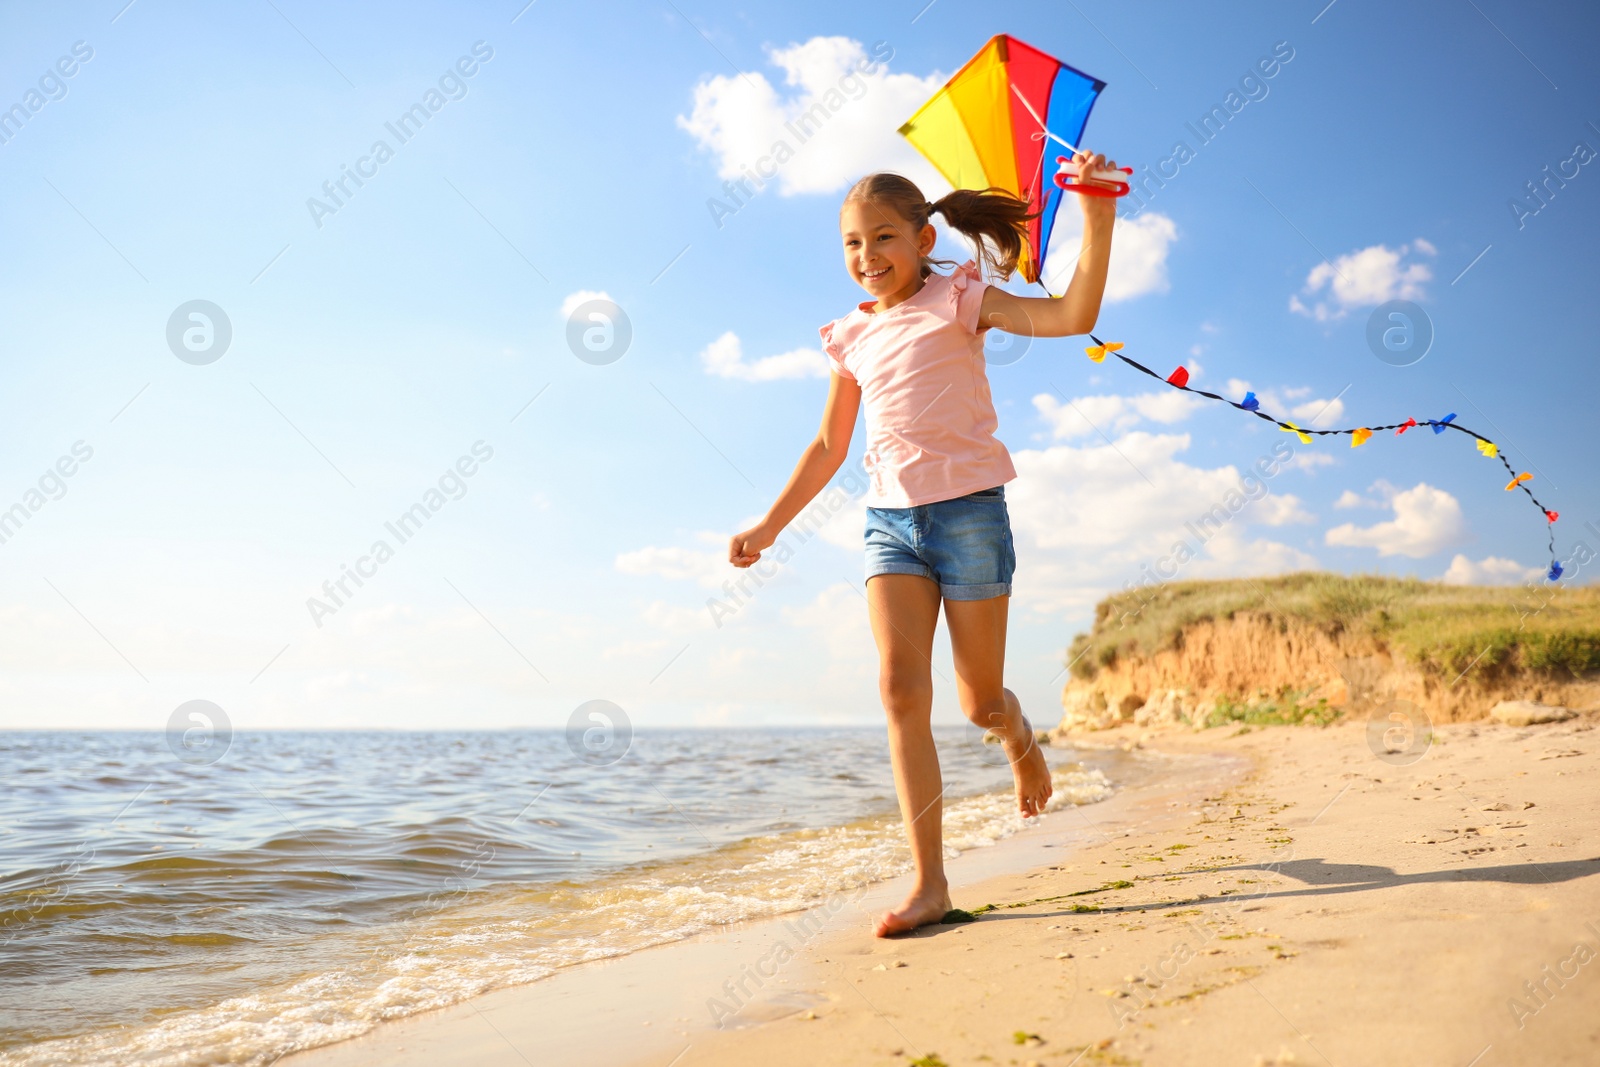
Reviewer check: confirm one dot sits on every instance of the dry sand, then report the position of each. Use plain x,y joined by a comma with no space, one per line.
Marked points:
1309,903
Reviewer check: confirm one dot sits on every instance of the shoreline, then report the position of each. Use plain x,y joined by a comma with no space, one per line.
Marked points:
1330,907
1311,901
647,1006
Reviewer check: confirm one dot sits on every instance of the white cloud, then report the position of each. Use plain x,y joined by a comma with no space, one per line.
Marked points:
1309,461
839,616
1232,555
1139,249
1363,278
1112,414
837,123
709,567
581,297
724,358
1383,491
1490,571
633,651
1318,413
676,618
1086,518
1426,520
367,621
1351,499
845,527
833,516
1280,509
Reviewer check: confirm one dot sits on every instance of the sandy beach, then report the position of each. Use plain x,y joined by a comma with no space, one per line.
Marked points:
1292,898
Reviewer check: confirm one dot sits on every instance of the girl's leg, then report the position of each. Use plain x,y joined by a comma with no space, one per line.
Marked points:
905,610
978,640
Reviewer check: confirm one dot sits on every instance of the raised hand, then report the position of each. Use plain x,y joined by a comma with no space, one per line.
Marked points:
746,548
1090,163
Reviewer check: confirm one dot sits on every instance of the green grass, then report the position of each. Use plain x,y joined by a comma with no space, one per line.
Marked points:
1439,628
1286,710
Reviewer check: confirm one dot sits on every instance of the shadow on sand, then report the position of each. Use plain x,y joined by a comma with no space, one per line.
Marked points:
1323,878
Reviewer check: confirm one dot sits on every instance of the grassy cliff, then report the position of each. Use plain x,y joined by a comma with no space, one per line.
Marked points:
1260,638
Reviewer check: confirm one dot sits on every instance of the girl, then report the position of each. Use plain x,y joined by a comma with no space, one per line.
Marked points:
937,526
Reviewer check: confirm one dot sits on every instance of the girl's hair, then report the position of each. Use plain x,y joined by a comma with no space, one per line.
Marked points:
993,219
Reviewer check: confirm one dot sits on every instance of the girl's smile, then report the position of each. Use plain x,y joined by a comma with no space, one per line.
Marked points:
882,251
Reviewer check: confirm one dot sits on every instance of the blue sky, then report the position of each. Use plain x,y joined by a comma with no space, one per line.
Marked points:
370,353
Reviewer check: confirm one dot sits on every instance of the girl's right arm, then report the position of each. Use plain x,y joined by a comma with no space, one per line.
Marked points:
820,461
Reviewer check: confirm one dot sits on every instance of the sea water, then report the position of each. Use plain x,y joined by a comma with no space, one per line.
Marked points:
307,886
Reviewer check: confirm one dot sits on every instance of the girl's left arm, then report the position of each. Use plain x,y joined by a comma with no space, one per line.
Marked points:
1077,311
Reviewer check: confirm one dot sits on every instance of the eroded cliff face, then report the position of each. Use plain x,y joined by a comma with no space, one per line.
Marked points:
1256,659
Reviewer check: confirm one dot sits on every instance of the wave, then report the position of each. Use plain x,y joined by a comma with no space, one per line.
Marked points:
458,944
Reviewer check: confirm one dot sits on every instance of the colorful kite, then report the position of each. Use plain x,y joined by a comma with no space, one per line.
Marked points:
991,125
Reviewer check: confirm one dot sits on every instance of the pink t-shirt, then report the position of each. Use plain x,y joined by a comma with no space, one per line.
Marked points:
930,420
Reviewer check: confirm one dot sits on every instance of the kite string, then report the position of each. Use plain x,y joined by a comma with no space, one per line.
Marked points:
1044,130
1110,177
1518,481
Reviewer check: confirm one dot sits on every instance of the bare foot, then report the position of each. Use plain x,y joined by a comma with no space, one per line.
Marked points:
1028,768
925,905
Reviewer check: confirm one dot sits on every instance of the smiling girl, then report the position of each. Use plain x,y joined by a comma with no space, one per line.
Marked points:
937,527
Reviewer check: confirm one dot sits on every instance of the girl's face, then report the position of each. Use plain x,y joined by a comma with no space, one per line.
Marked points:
882,252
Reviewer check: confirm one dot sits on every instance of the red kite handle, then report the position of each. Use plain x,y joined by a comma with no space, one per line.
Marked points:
1113,176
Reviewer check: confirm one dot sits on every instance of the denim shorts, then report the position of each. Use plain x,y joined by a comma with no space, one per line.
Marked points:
963,544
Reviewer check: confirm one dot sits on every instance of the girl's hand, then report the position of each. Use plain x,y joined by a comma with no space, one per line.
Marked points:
746,548
1095,206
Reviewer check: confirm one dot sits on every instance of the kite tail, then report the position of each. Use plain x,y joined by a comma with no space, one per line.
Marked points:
1179,379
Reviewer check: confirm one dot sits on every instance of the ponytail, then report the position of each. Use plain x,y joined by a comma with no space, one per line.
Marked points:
995,221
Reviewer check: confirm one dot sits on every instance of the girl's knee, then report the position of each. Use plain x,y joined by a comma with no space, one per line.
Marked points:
986,713
904,690
991,710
